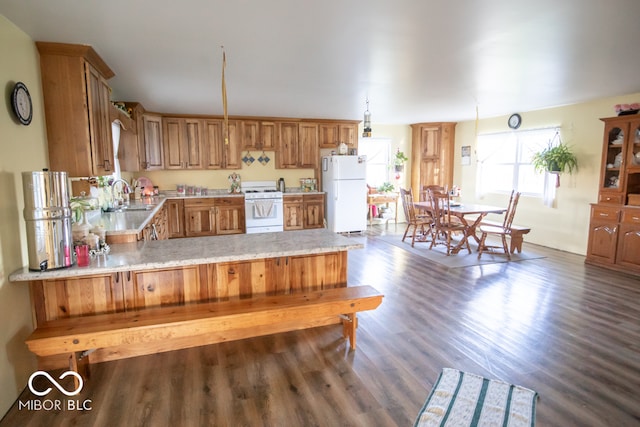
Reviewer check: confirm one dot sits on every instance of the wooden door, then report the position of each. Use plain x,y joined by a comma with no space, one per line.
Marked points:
349,134
193,145
99,124
229,213
175,218
308,145
314,211
233,148
173,143
287,154
603,239
153,142
214,144
199,218
268,136
250,134
293,212
328,135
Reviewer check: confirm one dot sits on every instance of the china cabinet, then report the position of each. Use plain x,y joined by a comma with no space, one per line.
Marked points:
614,229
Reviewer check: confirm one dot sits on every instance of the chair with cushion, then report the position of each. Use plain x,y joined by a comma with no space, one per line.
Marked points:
420,223
445,225
499,231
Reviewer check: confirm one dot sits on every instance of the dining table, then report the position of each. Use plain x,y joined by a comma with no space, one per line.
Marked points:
463,211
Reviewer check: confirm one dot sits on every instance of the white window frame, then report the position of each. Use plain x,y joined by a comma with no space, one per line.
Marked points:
378,152
519,147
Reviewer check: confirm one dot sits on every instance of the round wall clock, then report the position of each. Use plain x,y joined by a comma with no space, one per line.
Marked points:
21,102
515,121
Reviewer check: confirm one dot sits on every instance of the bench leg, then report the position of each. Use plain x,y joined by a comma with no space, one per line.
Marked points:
79,364
349,325
516,243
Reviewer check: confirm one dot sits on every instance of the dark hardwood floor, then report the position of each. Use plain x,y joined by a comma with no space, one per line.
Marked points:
567,330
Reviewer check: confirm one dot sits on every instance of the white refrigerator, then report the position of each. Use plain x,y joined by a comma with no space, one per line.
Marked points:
344,180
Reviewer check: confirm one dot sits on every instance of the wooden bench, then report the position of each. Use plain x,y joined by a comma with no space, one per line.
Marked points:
202,323
516,233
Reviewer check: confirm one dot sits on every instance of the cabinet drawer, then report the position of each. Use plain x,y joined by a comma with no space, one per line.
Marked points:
610,198
292,199
314,197
605,213
631,216
229,201
199,202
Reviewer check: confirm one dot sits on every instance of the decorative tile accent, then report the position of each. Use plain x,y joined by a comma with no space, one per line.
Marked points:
248,159
264,159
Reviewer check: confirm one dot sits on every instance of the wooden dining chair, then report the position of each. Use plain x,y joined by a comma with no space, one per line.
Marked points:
445,225
427,189
421,223
500,231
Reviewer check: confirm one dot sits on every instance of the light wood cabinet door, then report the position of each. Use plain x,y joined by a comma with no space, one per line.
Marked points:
222,152
99,123
229,215
314,211
175,218
308,149
199,220
328,135
183,146
349,134
153,142
293,212
287,153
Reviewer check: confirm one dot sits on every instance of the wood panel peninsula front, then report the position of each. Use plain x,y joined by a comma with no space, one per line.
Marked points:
143,276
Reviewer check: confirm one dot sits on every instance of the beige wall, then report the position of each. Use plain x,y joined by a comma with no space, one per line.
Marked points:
566,225
23,149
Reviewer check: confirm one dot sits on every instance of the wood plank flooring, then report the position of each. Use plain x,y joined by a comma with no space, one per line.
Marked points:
568,330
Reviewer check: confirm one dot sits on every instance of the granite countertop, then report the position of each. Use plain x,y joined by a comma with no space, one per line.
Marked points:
157,254
298,191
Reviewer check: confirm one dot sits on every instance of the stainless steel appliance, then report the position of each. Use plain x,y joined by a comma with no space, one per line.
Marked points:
263,207
48,219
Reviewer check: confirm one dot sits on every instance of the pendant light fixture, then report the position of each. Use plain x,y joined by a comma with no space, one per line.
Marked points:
367,122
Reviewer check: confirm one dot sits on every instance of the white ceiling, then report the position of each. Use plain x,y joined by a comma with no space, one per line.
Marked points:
416,60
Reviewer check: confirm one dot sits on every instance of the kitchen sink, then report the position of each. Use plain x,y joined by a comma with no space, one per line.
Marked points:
131,208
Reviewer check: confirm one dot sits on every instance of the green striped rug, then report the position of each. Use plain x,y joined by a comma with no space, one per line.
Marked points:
460,399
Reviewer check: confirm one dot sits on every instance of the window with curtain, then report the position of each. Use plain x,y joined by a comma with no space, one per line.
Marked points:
504,161
377,152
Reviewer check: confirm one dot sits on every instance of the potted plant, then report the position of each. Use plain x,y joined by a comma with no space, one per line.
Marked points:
386,187
399,161
556,158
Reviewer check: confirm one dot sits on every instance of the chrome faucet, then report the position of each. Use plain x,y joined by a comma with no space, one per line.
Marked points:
126,188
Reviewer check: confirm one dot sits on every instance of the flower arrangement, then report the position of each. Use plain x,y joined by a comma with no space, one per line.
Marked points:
622,109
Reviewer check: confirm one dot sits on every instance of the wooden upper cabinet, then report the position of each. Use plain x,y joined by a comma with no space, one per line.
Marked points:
308,145
331,134
152,137
287,151
258,135
183,143
221,153
328,135
77,108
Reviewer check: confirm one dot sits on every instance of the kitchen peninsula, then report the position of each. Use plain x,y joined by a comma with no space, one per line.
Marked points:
135,277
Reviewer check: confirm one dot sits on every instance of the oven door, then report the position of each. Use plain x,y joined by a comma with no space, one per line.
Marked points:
263,215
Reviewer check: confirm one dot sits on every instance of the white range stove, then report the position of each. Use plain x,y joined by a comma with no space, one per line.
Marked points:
262,206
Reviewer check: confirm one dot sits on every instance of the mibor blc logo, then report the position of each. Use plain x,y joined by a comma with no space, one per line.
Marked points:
55,404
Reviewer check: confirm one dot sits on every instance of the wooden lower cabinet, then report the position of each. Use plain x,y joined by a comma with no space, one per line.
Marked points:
614,237
303,211
175,218
214,216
